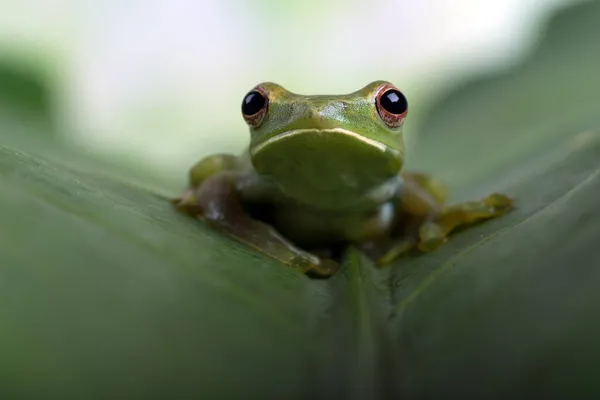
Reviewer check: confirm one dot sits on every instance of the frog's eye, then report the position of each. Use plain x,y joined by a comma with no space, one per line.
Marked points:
392,106
254,107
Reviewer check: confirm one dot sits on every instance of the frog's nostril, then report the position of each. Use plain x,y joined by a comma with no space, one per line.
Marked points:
322,116
330,110
316,115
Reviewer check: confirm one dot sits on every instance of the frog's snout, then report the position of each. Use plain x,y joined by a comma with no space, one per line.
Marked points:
323,117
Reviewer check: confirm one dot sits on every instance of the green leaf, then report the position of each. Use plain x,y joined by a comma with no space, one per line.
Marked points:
106,291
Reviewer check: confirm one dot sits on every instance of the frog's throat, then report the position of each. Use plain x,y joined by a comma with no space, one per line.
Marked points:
382,147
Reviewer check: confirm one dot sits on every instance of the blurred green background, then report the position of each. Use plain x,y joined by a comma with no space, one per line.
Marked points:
106,292
159,84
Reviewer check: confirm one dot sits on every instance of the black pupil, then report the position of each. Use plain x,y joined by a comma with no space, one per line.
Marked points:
253,103
394,102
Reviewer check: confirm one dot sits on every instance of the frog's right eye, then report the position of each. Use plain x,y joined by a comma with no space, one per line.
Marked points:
254,107
392,106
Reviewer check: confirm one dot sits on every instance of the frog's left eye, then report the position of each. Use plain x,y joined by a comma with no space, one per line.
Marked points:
254,107
392,106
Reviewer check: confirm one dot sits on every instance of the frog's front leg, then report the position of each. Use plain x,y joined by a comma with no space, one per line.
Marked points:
214,198
199,173
421,204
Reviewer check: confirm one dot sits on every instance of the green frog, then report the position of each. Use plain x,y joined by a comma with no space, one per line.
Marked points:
323,172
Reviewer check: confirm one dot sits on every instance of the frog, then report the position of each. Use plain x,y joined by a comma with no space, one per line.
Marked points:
325,172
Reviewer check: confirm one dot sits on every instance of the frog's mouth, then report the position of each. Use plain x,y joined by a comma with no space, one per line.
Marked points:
344,132
327,166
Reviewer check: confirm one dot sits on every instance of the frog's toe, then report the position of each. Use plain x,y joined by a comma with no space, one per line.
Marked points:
187,203
186,197
431,236
324,267
501,203
396,251
178,202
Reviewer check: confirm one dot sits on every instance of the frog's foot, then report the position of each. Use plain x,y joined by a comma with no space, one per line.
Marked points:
397,250
188,204
433,233
385,250
318,267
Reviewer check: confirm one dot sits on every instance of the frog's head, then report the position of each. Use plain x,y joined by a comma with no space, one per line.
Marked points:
326,150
